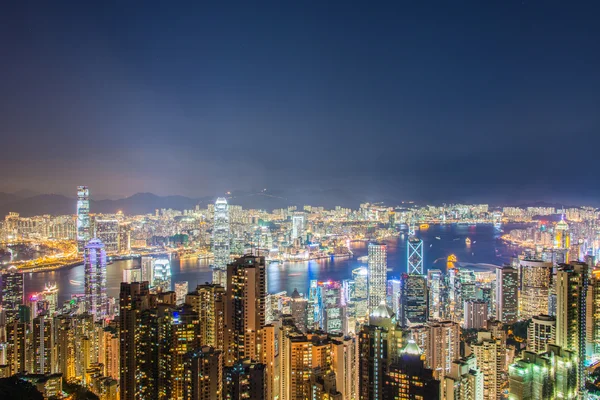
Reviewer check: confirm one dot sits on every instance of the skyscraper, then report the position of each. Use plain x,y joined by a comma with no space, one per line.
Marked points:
297,226
507,289
475,314
96,302
377,275
435,289
536,277
465,380
413,300
181,290
208,301
221,241
490,360
299,310
571,297
414,255
409,379
204,374
12,292
359,297
245,309
540,333
83,217
161,271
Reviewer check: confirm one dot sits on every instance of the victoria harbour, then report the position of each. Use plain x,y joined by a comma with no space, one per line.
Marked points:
440,241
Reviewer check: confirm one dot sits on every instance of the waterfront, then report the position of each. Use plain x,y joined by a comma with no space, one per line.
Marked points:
486,248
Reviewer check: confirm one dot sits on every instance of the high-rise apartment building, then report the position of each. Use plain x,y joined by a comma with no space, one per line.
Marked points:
475,314
490,360
464,381
107,231
507,290
96,301
536,279
245,309
204,374
181,290
12,293
377,275
83,217
409,379
571,312
299,310
540,333
208,301
440,342
221,241
297,226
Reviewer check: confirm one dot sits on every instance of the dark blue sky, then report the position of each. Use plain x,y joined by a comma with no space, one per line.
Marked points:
414,99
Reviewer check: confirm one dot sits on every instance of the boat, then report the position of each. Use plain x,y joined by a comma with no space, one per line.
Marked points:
424,226
363,258
430,245
438,238
468,241
74,282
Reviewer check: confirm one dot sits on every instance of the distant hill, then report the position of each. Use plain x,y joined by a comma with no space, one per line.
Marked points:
54,204
7,197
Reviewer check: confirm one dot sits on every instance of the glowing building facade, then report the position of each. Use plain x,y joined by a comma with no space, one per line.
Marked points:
221,241
83,217
162,274
12,292
377,274
297,226
96,302
107,230
414,256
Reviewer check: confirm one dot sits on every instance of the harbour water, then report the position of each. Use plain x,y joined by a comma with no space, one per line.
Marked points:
439,241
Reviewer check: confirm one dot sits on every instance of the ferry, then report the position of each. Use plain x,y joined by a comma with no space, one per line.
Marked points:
74,282
424,226
468,241
438,238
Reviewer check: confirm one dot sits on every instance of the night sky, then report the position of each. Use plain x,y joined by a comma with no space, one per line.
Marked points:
413,99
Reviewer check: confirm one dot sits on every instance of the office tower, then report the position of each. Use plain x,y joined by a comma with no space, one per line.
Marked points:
360,296
571,298
96,302
440,342
490,360
245,380
299,310
161,268
134,333
414,256
147,270
507,289
377,275
221,241
540,333
181,290
12,292
394,292
43,345
245,309
204,374
464,381
208,301
409,379
298,226
561,235
131,275
378,348
475,314
434,293
549,375
332,311
413,298
536,279
83,217
124,238
107,231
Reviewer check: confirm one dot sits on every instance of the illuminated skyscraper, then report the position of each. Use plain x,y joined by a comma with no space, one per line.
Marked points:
377,275
297,226
208,301
204,374
540,333
490,361
571,297
50,296
12,292
507,289
413,299
435,286
464,381
409,379
221,242
107,231
96,302
162,274
83,217
181,290
414,256
475,314
359,297
536,277
245,309
299,310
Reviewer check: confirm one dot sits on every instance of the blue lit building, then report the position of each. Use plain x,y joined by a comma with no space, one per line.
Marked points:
96,302
83,217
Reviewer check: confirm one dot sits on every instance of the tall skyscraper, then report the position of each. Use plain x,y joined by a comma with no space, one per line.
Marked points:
377,275
299,310
181,290
475,314
245,309
96,302
161,271
12,292
221,241
490,360
297,226
107,231
413,300
434,293
204,374
409,379
571,298
83,217
536,278
208,301
464,381
507,289
360,295
440,342
414,255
